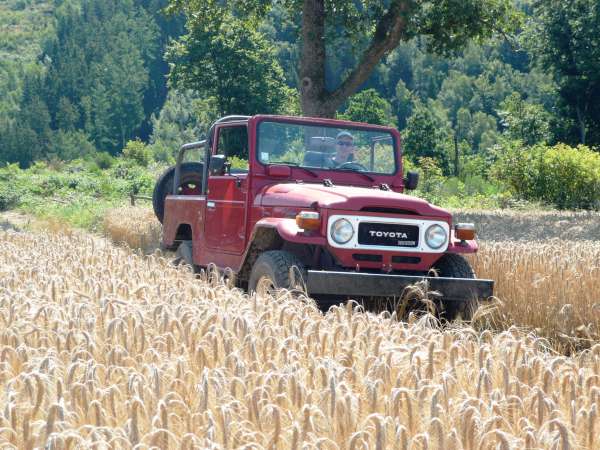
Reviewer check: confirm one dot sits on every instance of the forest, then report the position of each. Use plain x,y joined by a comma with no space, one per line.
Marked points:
496,100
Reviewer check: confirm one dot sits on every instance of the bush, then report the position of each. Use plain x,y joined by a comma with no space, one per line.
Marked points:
9,197
138,152
564,176
103,160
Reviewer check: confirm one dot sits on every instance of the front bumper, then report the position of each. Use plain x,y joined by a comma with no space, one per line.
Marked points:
383,285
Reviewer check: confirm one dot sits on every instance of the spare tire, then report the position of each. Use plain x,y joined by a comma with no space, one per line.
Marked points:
190,183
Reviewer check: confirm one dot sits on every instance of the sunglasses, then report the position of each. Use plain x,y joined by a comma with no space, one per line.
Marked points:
345,144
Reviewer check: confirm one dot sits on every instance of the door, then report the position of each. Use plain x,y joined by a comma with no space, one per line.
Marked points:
225,219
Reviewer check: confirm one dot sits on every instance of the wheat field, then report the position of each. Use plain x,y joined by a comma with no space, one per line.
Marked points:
551,287
101,347
136,227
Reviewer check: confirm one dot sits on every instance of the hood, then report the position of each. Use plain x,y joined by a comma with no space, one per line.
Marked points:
350,198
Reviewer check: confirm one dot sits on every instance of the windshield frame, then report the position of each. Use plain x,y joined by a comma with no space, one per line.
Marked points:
331,123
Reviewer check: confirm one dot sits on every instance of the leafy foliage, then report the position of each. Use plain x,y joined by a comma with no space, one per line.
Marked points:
564,176
369,107
424,137
523,121
231,61
137,152
564,38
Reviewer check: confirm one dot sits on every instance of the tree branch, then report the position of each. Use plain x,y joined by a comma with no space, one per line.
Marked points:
390,30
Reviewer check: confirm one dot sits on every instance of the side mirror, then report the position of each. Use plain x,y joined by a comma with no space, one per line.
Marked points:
411,180
217,165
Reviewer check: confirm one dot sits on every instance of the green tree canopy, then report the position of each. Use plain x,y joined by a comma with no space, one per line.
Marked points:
565,38
228,59
524,121
425,136
374,28
369,107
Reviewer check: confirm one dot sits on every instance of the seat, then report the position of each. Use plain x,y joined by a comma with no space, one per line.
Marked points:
317,159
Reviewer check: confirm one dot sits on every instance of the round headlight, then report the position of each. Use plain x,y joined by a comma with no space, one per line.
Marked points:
436,236
342,231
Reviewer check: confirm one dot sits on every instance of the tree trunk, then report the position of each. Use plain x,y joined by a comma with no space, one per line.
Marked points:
315,99
312,65
581,122
456,161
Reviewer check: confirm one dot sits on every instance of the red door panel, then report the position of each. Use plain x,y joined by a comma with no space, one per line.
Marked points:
225,217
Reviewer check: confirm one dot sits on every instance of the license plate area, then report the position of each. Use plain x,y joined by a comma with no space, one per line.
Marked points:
388,234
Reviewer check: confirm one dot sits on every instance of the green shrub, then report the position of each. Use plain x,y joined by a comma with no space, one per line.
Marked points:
103,160
131,178
9,196
162,153
138,152
564,176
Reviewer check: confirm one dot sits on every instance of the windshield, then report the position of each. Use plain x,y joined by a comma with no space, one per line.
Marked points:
324,147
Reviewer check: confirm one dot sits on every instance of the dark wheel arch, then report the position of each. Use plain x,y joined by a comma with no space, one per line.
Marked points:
190,183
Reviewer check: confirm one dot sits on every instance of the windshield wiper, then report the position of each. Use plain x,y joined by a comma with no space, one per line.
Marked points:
295,164
368,177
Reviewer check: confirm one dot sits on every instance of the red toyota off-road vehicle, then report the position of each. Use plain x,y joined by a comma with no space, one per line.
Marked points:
317,203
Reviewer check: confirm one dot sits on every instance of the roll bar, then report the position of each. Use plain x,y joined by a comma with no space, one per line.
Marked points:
203,143
182,151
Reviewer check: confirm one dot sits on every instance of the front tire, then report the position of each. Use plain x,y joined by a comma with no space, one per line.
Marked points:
276,269
455,266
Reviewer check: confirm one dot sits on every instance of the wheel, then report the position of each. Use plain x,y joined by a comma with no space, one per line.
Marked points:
455,266
190,183
271,271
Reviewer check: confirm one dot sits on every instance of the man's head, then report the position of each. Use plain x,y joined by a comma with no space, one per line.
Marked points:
344,147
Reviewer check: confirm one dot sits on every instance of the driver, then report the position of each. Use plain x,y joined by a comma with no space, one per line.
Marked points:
344,148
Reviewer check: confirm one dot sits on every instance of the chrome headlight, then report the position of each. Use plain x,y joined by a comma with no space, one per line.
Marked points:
436,236
342,231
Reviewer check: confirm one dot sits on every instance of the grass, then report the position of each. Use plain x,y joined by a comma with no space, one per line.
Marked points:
102,347
77,193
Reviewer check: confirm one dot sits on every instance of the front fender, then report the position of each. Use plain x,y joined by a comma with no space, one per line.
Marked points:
289,231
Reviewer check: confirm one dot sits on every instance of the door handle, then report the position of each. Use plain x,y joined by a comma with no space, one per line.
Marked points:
210,205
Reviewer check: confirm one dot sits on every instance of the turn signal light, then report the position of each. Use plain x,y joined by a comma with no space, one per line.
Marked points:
464,231
308,220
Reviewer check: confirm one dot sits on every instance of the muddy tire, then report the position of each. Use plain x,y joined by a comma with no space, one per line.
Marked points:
190,183
272,271
455,266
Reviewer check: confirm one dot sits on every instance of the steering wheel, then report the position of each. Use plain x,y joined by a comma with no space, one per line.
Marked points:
353,165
